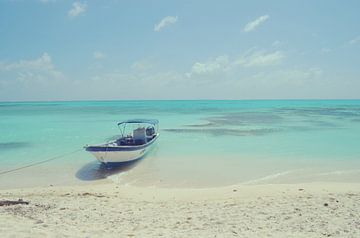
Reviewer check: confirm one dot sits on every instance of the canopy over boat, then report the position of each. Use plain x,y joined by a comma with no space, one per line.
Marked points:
149,121
153,126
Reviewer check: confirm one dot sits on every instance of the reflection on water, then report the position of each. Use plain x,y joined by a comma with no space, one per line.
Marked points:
96,171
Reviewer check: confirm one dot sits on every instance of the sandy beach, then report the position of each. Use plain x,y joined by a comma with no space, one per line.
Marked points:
110,210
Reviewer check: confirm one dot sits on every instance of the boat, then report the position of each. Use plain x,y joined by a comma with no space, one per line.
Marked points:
136,139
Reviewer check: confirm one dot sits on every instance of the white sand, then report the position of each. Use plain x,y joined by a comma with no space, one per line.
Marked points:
110,210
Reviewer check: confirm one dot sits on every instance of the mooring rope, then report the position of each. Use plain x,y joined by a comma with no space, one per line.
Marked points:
40,162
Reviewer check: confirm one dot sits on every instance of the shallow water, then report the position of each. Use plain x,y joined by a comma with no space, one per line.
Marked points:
202,143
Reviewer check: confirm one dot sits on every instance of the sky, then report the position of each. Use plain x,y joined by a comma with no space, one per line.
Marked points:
229,49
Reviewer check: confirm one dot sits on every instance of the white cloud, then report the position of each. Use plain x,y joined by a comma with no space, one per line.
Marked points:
250,59
32,79
47,1
289,77
155,85
276,43
259,58
220,63
142,65
77,9
298,74
166,21
355,40
99,55
41,68
44,62
326,50
256,23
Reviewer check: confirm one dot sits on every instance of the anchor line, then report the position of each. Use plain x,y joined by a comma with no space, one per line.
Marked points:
40,162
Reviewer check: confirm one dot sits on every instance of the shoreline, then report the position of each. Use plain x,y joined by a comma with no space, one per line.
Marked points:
290,177
146,174
112,210
220,192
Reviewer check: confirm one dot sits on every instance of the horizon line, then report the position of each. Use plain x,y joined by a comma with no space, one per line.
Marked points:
111,100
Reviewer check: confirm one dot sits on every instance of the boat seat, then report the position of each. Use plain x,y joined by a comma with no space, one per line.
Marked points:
121,142
127,140
139,136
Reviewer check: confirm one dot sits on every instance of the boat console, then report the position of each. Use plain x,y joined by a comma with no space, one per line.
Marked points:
139,136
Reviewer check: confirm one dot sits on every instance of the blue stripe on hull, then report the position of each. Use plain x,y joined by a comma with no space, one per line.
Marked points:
103,148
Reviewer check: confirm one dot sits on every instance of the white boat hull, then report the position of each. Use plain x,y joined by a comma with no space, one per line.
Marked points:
119,156
108,153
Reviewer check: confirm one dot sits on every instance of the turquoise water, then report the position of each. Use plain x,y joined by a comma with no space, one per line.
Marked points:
202,143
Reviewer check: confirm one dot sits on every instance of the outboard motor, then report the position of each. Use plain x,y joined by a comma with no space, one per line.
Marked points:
150,131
